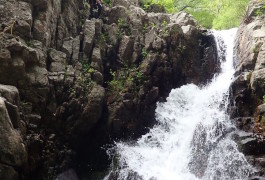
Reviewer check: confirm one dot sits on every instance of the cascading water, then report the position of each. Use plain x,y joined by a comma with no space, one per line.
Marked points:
193,135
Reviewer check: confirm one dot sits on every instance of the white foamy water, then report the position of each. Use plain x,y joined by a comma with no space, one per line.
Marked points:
192,138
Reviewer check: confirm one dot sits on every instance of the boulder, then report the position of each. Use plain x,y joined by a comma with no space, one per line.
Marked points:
71,49
8,172
124,3
156,8
40,4
37,76
261,108
158,43
150,38
89,36
25,19
98,77
183,19
116,13
92,111
12,68
10,93
112,33
257,82
14,116
96,61
57,60
68,175
67,48
149,63
98,27
248,46
189,31
259,51
70,19
152,95
31,56
46,24
138,19
19,13
5,55
13,152
158,19
245,123
126,49
252,145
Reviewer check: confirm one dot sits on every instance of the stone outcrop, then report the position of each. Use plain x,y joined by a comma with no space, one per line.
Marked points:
248,87
13,153
71,83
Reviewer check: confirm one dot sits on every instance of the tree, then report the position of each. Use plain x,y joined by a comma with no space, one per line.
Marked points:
218,14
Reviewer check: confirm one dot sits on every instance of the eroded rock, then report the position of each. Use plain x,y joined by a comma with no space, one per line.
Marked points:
13,152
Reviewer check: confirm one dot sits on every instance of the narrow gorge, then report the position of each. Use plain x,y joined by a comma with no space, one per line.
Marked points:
134,94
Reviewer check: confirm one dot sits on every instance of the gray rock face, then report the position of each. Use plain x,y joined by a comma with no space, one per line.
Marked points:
165,44
75,89
96,61
126,49
12,102
118,12
92,111
124,3
13,152
248,87
112,32
261,108
20,12
89,35
8,172
34,27
149,39
69,174
138,18
10,93
71,49
183,19
249,60
57,60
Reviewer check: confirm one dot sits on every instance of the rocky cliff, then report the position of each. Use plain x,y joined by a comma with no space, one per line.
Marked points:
69,84
248,89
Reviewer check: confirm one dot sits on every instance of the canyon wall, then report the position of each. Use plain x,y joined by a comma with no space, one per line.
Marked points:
69,84
248,90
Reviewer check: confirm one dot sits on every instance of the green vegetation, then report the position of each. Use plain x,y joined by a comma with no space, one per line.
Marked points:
249,77
125,80
217,14
260,11
255,50
123,28
164,30
144,53
108,2
84,80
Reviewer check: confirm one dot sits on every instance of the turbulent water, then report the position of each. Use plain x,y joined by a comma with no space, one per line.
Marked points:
193,136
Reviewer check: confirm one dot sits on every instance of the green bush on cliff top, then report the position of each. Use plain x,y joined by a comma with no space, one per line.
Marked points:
217,14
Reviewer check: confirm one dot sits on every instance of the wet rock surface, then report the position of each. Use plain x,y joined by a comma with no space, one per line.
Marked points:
247,90
69,84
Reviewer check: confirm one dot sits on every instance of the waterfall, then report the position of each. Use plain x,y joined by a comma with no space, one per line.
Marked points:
193,138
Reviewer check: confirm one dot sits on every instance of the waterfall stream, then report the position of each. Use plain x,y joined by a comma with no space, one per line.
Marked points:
193,138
